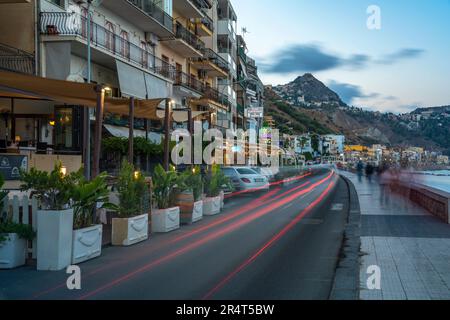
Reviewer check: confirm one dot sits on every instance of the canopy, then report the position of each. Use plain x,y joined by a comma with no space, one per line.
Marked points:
20,86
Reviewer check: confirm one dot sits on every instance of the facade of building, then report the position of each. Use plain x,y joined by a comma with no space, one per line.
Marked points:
182,50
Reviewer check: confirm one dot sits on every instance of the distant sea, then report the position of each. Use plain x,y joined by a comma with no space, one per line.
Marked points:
439,179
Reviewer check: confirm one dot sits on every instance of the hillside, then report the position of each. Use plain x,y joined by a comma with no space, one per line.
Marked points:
297,108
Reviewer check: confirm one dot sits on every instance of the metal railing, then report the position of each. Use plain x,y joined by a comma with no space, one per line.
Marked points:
216,95
206,21
153,10
186,80
202,4
71,24
15,60
188,37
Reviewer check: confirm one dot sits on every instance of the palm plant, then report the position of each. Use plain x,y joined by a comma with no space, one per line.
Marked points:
215,181
131,186
86,197
164,184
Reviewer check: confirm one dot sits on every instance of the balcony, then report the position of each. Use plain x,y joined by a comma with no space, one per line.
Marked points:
185,42
106,46
145,14
212,63
218,98
191,8
184,81
204,27
15,60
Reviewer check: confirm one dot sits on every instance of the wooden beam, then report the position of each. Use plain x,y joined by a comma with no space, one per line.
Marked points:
167,136
131,132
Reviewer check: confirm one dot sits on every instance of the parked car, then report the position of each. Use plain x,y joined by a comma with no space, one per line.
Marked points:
266,172
246,179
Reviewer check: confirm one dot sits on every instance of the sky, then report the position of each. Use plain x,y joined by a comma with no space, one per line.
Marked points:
401,66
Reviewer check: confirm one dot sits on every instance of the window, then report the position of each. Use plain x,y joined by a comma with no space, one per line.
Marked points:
110,36
125,44
59,3
246,172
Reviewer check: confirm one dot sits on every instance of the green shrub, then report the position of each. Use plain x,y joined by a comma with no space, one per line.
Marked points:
131,187
163,186
54,189
86,196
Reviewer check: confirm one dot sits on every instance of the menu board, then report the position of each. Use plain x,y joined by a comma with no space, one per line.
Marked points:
10,166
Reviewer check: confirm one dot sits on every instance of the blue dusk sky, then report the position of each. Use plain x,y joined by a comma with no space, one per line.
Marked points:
403,65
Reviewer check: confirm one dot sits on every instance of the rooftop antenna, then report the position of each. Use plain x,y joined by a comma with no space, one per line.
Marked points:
244,31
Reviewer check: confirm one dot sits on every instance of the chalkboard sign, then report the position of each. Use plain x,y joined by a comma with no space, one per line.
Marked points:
10,166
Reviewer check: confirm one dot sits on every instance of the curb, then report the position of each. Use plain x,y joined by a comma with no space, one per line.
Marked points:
346,284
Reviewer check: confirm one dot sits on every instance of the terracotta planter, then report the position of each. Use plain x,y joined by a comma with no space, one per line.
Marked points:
87,244
165,220
12,251
211,206
129,231
195,215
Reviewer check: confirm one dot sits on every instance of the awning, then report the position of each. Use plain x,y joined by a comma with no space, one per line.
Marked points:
181,115
15,85
123,132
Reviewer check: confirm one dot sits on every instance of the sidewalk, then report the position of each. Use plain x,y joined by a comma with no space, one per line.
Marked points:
411,247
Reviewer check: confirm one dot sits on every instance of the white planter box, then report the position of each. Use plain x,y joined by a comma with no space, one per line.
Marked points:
165,220
129,231
211,206
87,244
222,200
54,239
12,252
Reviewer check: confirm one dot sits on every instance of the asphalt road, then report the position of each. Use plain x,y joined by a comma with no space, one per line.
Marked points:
281,244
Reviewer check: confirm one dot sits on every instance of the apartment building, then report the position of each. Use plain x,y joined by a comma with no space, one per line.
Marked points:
250,90
182,50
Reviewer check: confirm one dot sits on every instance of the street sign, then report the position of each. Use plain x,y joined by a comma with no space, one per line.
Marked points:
255,113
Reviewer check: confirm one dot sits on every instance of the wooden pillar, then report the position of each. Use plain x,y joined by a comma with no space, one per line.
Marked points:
131,132
13,120
98,129
167,123
191,134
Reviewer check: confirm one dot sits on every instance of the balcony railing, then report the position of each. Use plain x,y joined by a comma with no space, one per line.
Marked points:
206,21
202,4
216,95
216,59
188,37
71,24
154,11
15,60
186,80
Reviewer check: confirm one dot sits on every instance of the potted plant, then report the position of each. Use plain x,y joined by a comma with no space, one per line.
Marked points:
131,226
14,237
55,217
164,218
189,196
213,184
88,197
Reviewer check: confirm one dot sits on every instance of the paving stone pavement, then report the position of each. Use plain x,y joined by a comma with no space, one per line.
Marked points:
409,245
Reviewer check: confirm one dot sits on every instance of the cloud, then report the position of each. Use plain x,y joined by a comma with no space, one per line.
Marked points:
402,54
349,92
301,58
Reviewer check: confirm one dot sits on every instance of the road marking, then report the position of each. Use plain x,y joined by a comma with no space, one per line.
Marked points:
337,207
